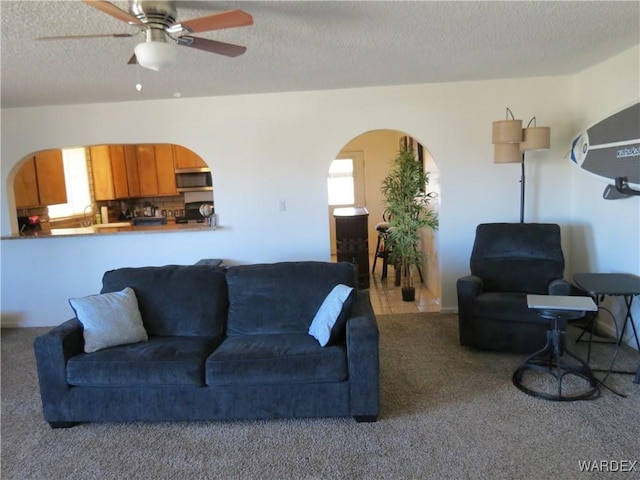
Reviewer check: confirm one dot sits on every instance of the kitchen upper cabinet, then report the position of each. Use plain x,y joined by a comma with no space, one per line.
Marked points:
133,172
52,187
148,171
124,169
119,171
156,168
25,185
165,169
185,158
101,173
40,181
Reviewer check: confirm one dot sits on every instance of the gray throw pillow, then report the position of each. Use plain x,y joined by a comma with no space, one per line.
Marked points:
109,319
325,324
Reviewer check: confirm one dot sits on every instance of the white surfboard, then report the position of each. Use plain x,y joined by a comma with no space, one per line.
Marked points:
610,150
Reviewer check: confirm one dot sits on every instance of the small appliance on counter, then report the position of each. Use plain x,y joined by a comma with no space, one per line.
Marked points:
29,225
192,212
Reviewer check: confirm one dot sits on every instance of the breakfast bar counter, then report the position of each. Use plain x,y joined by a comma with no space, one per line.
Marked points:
113,229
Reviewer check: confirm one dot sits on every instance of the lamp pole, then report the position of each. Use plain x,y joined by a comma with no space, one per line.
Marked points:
522,191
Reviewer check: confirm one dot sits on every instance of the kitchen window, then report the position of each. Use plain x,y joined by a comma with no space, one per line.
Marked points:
77,184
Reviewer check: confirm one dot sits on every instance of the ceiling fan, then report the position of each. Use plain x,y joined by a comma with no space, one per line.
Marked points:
157,22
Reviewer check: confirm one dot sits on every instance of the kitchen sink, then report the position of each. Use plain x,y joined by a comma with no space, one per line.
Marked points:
137,221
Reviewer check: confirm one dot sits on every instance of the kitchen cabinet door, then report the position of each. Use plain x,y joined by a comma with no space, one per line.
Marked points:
25,185
133,174
52,188
119,171
148,170
101,174
185,158
165,169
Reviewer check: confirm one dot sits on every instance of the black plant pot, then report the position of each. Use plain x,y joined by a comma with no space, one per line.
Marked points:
408,294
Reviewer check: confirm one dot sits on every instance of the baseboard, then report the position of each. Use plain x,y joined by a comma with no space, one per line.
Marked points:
449,310
8,320
608,330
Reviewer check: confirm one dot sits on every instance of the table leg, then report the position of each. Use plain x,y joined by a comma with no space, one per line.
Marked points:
628,300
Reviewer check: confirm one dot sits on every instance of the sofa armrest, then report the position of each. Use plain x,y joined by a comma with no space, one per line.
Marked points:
52,350
468,288
363,357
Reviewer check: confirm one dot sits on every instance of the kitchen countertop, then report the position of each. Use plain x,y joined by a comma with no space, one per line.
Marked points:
114,229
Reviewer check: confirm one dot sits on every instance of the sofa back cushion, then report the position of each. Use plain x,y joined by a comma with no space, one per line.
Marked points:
174,300
517,257
281,297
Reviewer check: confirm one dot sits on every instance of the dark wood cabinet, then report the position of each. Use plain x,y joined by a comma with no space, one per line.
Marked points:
352,240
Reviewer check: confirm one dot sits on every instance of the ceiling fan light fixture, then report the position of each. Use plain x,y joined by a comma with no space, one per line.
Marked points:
156,55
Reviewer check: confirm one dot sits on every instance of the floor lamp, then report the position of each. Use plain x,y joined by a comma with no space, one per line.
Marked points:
511,141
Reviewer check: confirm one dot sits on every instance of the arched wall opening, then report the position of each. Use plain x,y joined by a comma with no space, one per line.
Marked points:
74,187
371,154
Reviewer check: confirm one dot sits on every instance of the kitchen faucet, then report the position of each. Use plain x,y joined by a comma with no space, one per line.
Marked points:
85,222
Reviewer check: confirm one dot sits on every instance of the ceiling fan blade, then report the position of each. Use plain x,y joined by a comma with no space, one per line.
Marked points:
98,35
212,46
111,9
217,21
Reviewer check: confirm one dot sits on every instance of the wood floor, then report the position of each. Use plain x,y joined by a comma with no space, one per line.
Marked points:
386,298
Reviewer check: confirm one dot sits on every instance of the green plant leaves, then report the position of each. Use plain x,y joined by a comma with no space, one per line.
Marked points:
407,204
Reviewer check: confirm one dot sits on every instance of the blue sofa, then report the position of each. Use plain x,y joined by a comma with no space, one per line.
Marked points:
223,343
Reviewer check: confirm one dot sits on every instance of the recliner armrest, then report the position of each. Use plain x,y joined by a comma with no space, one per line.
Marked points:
560,287
468,288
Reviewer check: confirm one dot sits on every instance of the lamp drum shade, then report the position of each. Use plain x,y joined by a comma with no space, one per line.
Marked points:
536,138
507,131
507,153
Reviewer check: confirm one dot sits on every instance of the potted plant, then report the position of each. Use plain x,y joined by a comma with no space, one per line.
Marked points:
407,202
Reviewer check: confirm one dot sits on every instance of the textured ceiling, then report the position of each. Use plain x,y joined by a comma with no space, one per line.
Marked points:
308,45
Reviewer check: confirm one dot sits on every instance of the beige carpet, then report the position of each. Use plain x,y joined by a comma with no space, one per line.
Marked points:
447,413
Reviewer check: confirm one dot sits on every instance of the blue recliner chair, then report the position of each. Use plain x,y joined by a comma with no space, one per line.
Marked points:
509,261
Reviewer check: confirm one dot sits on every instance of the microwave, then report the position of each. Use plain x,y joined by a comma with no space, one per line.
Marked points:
194,181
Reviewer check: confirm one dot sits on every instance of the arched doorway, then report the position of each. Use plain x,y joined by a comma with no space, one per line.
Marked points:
360,167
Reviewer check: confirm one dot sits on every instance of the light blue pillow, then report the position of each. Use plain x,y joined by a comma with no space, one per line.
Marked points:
109,319
326,318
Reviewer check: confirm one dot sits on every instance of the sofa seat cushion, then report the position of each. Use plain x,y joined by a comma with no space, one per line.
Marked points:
158,361
510,306
271,359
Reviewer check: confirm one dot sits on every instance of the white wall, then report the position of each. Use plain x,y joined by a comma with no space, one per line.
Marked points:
272,147
606,233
